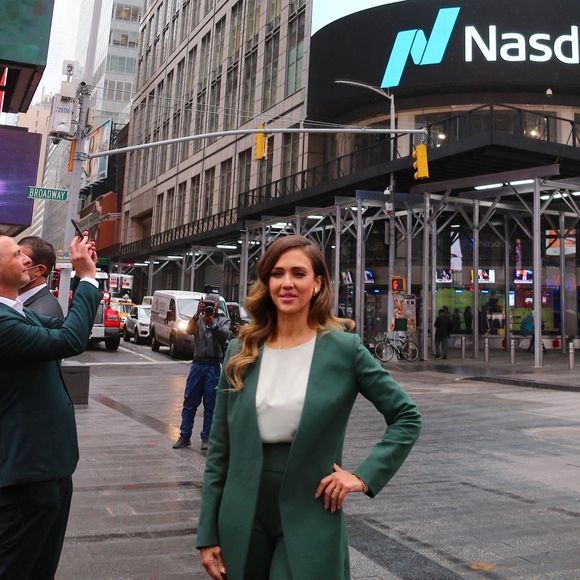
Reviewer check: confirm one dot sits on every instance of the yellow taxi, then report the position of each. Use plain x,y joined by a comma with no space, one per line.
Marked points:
122,308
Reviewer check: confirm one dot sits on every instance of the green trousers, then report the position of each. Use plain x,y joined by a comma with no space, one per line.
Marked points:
33,518
267,557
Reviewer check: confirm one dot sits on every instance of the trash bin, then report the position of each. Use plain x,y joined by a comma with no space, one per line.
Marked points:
77,378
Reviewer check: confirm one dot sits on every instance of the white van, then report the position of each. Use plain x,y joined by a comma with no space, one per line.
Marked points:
171,311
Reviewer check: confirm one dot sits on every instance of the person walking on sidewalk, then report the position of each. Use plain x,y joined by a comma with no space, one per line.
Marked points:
38,439
211,331
274,487
442,331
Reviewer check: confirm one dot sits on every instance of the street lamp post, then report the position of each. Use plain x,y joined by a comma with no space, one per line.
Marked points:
392,228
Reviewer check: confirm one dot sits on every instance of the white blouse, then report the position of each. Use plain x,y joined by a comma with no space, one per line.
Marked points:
281,390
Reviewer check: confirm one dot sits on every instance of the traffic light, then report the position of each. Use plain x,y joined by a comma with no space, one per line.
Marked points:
261,145
420,165
398,284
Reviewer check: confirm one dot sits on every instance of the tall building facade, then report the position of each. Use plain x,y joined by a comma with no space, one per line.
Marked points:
491,102
207,66
106,49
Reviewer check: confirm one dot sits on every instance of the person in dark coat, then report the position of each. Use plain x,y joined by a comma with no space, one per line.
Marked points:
35,294
468,319
38,439
442,331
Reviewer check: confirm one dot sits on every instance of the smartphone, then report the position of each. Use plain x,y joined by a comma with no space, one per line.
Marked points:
77,229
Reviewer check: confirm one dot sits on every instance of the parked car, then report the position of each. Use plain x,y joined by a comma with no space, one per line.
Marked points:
106,327
137,324
171,311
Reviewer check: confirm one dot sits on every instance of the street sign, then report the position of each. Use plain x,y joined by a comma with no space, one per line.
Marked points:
62,260
47,193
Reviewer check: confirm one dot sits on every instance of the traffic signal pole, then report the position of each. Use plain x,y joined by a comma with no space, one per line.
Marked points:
83,92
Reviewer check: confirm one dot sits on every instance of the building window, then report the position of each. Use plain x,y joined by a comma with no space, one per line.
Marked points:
200,119
270,71
235,29
175,135
190,73
225,191
123,38
249,90
266,167
179,82
294,63
214,109
158,214
120,64
187,114
204,59
244,170
126,12
194,197
206,208
154,154
195,13
180,206
274,8
218,49
231,100
290,154
208,7
117,91
126,228
252,22
170,210
184,21
163,150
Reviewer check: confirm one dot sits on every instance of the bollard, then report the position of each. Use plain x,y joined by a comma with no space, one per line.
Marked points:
513,351
571,356
486,349
463,343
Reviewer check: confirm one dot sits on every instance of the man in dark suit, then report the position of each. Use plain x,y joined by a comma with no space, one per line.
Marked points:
35,294
38,440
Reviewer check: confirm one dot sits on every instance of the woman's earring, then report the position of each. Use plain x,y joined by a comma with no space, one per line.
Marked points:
315,292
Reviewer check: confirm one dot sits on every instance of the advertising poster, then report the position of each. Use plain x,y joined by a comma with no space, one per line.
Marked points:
405,308
98,141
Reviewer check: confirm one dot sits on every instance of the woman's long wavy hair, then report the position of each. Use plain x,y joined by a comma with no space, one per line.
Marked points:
263,311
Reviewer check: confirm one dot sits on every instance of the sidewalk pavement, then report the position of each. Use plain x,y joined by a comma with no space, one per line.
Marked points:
555,374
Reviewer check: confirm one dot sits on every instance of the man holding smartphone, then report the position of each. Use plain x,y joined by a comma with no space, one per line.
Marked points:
38,439
211,331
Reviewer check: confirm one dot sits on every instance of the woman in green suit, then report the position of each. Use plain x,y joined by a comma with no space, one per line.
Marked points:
273,487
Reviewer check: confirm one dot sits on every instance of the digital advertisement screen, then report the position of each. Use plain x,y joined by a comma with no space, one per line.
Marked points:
444,277
485,276
524,277
369,277
19,153
419,49
554,243
25,31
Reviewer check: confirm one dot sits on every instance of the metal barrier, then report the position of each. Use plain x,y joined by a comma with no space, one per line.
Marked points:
571,355
486,349
513,351
463,343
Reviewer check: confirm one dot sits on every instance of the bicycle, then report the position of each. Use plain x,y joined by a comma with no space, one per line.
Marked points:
403,347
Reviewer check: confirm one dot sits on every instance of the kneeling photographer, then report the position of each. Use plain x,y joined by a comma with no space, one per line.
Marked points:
211,331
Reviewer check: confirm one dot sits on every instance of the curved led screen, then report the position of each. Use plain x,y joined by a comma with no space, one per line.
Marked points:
423,48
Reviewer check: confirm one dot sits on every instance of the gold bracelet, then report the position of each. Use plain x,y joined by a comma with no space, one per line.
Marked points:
365,488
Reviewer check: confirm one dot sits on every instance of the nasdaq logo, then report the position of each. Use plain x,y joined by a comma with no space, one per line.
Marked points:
422,51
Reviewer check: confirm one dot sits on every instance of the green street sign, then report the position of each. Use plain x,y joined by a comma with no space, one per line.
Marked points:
47,193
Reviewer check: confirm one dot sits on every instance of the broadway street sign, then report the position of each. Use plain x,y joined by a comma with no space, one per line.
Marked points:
47,193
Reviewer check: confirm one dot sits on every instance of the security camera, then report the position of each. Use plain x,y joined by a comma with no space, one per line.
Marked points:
55,140
549,93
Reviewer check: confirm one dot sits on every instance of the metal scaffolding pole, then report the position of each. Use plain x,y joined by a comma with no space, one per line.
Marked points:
336,273
150,277
506,259
537,278
243,282
192,277
409,249
360,258
425,301
563,280
433,276
476,279
182,269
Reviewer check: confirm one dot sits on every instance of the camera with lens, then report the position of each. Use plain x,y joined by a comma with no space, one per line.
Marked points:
208,308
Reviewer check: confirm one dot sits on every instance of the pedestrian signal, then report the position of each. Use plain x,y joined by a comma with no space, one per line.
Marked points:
398,284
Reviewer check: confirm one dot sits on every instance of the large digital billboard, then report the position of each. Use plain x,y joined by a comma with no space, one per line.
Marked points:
427,49
19,153
25,31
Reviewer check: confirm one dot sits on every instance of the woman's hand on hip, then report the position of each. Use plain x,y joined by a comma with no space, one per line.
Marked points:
336,486
211,560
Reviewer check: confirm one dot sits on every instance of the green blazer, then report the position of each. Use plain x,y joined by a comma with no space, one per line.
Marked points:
38,439
315,539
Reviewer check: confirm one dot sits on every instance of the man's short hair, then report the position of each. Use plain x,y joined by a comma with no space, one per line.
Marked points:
41,252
